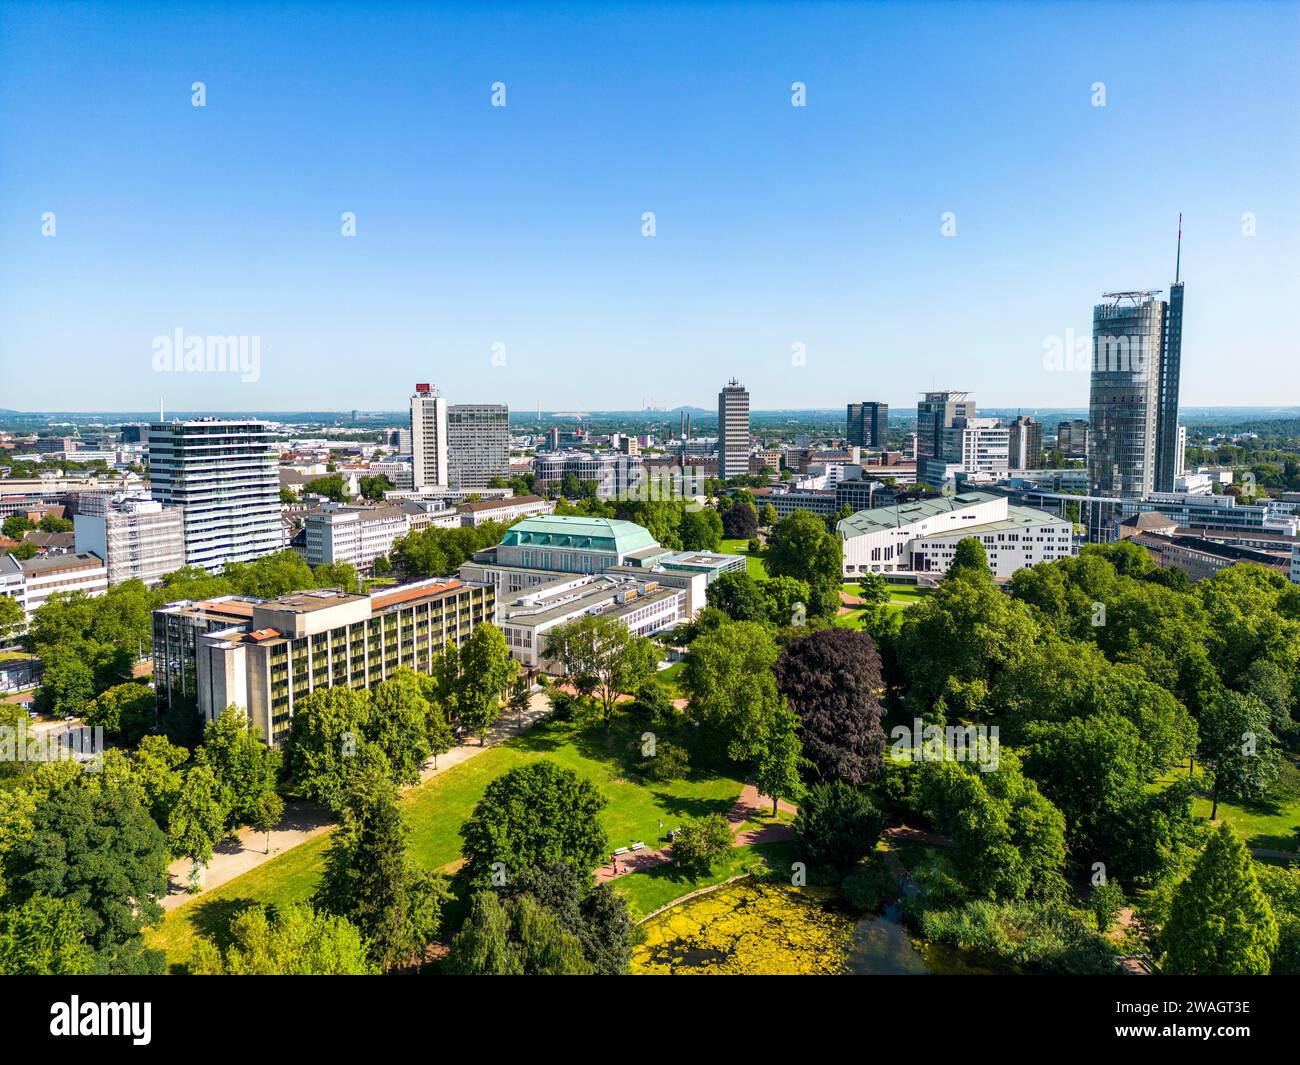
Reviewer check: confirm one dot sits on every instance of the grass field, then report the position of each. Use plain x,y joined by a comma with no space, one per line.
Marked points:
755,565
436,810
1273,824
901,596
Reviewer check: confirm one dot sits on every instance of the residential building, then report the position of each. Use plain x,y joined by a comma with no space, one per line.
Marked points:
222,474
868,425
921,537
138,539
429,451
263,656
1200,557
478,444
504,510
355,535
733,431
32,581
1025,444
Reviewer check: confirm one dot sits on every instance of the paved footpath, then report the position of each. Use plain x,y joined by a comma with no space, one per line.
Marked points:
749,805
301,821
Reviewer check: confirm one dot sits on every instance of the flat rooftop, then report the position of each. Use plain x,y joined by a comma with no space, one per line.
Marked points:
882,519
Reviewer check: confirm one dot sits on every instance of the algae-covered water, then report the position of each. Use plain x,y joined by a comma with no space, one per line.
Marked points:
756,928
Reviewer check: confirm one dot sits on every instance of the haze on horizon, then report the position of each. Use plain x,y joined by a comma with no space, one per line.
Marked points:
499,251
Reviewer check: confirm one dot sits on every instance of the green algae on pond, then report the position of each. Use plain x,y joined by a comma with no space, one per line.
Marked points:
747,928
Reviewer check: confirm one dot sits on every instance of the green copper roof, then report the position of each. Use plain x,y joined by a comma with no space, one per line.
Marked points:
880,519
579,533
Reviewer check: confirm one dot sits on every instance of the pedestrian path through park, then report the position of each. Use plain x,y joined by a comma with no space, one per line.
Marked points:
303,821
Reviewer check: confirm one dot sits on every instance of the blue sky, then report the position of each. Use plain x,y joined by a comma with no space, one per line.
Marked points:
521,226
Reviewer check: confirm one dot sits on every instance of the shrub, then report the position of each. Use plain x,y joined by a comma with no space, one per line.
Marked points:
669,762
699,843
836,826
869,886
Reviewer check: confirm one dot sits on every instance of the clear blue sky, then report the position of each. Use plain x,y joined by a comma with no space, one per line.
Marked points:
522,225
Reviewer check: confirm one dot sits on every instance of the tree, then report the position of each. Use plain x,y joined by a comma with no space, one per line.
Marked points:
535,815
953,646
340,575
740,522
836,826
486,670
515,938
155,771
12,619
1090,768
738,596
831,679
294,941
98,848
970,557
801,546
1107,901
198,820
375,487
767,516
127,710
266,814
1010,840
1238,747
776,765
701,530
245,768
603,653
327,731
399,724
595,914
1221,922
270,576
370,880
44,937
333,488
15,525
700,843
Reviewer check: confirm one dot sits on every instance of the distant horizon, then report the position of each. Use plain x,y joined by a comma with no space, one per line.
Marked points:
143,416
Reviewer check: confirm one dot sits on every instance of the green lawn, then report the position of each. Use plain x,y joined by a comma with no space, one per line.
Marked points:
757,569
436,811
671,679
1273,824
901,596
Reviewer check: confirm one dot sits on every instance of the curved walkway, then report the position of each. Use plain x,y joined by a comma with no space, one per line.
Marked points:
749,805
248,849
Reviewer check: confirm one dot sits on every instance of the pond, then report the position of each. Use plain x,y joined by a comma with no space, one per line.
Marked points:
761,929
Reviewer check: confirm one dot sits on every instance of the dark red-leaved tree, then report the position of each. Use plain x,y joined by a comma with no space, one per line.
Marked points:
831,679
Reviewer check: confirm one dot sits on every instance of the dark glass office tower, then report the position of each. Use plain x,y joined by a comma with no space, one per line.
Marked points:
868,425
1137,346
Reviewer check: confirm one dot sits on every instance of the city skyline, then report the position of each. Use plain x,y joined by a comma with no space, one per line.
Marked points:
500,250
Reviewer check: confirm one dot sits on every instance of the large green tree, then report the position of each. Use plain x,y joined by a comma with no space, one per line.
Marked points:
535,815
1221,922
604,655
294,941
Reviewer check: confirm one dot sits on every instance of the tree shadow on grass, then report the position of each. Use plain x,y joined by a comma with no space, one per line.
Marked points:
212,917
684,806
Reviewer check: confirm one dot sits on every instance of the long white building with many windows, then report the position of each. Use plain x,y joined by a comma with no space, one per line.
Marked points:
922,537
